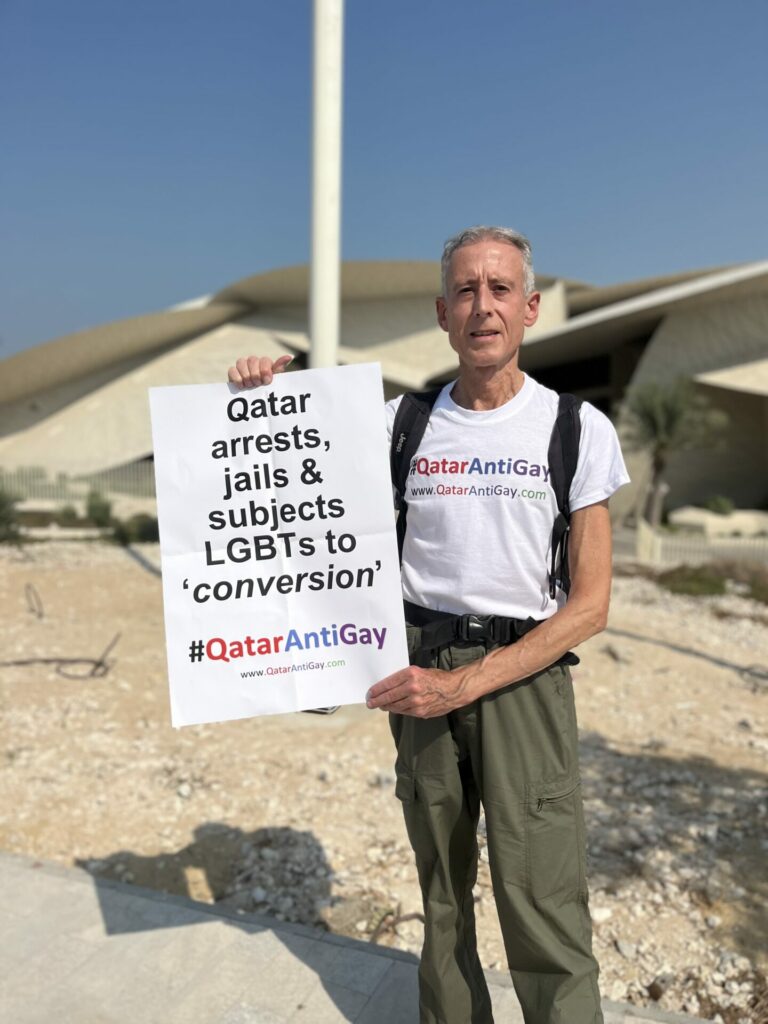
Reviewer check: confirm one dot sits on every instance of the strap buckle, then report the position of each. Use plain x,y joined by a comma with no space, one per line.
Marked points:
474,628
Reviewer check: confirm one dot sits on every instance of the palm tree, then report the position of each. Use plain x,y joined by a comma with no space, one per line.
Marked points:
662,418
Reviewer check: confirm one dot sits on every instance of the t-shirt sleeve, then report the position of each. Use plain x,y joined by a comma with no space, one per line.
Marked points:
600,470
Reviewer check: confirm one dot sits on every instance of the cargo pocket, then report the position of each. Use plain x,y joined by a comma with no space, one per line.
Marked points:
555,855
405,787
417,824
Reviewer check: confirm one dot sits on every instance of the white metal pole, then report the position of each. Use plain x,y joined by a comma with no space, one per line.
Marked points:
324,292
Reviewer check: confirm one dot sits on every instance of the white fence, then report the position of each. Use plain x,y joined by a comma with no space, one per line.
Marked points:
657,547
32,482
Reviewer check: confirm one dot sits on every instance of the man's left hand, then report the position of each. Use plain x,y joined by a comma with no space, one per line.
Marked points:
421,692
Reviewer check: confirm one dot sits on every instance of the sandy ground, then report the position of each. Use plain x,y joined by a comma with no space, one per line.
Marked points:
295,815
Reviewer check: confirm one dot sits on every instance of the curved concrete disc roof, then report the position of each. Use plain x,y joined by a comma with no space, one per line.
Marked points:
89,351
749,377
79,403
110,426
600,330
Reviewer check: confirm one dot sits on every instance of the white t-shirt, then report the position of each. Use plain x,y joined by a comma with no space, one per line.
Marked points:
480,506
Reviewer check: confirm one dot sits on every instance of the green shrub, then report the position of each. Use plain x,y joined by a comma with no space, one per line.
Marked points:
143,528
120,533
694,580
139,529
98,509
719,504
758,589
32,517
753,575
67,515
9,519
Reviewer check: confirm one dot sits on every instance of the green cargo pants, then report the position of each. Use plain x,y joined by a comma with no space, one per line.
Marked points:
515,752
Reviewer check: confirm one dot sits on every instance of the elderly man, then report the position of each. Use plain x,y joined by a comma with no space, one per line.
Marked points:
488,719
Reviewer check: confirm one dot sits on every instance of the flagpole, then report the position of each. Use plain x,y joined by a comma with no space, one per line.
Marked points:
325,270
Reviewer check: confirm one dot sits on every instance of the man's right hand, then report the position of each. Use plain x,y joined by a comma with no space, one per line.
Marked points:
251,371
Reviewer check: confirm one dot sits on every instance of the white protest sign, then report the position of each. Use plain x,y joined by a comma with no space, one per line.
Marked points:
281,582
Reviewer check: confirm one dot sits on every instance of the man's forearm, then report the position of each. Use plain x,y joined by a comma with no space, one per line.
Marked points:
427,692
535,651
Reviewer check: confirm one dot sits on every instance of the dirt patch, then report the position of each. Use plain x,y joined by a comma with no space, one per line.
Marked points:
295,815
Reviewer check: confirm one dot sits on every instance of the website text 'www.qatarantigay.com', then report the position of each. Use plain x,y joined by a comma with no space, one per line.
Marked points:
281,670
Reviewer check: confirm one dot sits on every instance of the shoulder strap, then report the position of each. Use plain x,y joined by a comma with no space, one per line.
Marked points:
563,456
408,429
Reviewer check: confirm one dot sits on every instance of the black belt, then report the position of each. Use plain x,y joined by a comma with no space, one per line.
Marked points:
438,629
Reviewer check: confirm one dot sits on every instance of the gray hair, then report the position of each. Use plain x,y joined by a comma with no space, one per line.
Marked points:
480,233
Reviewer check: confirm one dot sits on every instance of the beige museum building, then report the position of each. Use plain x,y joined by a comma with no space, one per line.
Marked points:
78,404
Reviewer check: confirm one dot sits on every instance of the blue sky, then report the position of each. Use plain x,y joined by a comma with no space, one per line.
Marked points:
153,152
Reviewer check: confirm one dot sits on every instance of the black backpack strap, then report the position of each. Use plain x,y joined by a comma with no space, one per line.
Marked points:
563,457
408,429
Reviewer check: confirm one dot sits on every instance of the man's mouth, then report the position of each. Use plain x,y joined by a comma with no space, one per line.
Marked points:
483,334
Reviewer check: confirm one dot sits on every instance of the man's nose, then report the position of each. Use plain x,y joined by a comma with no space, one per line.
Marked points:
482,304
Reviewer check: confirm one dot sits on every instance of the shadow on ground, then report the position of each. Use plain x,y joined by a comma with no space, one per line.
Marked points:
756,676
277,871
142,560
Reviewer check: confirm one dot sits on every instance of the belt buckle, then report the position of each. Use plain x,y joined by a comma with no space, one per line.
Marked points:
474,627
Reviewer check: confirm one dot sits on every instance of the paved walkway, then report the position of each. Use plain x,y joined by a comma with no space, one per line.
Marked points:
76,950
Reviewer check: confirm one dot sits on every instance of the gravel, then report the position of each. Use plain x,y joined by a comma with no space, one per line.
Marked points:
295,816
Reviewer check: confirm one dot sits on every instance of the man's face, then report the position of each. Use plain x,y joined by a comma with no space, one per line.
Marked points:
485,310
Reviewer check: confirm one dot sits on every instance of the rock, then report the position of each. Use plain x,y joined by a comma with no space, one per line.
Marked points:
381,780
617,992
654,744
239,901
627,949
613,652
601,914
184,790
713,921
659,986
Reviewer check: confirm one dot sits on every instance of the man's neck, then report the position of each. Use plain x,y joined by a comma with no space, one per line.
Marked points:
480,390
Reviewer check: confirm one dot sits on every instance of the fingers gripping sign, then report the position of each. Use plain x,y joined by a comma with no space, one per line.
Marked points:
253,371
420,692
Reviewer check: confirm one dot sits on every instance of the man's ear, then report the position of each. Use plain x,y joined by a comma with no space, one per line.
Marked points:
440,309
532,304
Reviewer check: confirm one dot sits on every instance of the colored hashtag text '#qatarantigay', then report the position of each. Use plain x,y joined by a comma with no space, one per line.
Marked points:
349,634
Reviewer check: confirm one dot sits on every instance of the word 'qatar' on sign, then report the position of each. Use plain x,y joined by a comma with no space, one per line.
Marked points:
244,407
276,542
